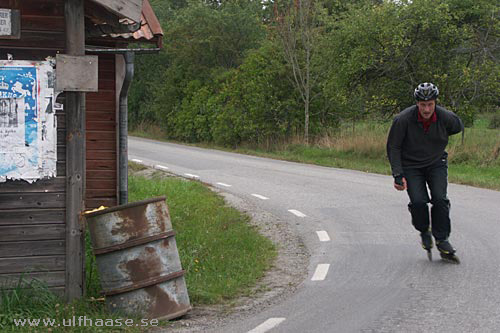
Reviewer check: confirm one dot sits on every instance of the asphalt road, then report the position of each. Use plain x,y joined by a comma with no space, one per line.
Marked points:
369,274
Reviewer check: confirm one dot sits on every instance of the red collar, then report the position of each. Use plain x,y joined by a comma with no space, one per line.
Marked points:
433,118
427,123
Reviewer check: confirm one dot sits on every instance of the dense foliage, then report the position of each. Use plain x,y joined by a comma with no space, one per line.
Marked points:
239,71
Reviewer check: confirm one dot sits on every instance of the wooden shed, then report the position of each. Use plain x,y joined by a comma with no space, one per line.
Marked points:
41,231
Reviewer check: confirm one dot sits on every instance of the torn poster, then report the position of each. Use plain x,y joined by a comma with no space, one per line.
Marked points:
28,131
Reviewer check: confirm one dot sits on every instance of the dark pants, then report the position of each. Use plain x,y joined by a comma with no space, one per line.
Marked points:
436,177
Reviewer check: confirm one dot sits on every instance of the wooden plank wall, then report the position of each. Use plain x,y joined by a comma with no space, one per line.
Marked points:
42,25
32,224
102,138
32,216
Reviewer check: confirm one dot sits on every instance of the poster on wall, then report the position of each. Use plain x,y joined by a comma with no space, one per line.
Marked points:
28,131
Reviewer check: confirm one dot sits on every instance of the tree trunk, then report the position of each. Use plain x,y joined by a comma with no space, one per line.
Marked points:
306,122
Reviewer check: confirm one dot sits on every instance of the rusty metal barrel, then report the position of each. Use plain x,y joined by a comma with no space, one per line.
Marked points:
137,259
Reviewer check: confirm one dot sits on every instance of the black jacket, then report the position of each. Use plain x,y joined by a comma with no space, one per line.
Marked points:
408,146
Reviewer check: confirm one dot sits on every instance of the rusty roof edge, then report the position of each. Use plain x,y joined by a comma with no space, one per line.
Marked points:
151,18
150,31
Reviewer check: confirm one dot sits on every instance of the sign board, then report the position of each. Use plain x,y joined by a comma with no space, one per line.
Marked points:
28,131
76,73
10,27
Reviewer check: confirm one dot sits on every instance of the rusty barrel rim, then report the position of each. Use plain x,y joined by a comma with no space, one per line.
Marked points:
145,283
125,206
135,242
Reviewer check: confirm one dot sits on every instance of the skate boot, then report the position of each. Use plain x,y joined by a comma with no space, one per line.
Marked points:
427,243
447,251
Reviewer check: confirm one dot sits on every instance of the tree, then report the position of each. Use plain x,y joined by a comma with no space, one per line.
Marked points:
299,29
236,71
202,41
381,52
258,103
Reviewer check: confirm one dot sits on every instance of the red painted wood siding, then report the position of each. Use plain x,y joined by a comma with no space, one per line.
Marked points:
101,182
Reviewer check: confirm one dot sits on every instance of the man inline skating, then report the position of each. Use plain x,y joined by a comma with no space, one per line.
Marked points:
416,151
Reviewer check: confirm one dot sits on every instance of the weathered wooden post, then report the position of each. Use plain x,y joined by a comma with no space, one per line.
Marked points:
75,158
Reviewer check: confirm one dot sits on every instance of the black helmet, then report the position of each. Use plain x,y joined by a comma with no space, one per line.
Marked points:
426,91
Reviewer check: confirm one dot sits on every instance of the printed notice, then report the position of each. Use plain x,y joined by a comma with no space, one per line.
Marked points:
28,133
5,22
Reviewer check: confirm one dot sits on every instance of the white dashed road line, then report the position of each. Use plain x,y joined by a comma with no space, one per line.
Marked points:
136,160
223,184
267,325
323,236
161,167
320,273
260,196
297,213
191,175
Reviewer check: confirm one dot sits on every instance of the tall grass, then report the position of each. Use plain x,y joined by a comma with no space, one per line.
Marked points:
148,130
13,301
475,161
364,140
92,282
481,146
32,299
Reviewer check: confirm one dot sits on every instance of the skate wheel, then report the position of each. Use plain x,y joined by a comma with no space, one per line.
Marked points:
450,258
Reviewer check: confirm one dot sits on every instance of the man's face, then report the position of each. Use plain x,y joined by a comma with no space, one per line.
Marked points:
426,108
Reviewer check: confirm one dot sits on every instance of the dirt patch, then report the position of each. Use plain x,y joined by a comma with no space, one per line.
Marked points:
288,270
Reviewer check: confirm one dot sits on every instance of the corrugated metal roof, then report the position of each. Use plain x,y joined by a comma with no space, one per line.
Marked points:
150,29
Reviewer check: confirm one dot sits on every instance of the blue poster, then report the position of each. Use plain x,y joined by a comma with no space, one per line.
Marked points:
25,94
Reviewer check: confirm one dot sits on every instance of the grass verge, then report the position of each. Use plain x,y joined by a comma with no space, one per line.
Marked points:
222,254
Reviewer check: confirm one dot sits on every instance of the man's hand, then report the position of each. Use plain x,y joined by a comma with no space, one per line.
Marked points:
402,185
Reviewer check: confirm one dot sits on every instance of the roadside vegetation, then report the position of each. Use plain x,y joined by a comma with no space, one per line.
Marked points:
288,79
474,162
264,72
222,254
